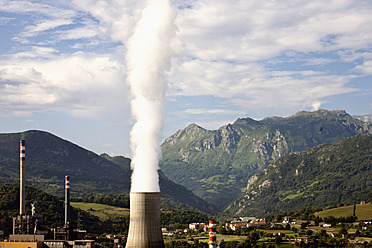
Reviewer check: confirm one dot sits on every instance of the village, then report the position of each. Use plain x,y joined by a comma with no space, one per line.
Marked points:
287,230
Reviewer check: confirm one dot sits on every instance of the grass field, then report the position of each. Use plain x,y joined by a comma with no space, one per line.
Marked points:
363,212
102,211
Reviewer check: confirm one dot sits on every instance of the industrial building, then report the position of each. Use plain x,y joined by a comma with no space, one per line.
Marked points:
25,232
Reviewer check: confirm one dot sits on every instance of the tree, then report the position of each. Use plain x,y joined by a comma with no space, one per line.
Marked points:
304,225
252,238
317,220
323,233
278,239
343,232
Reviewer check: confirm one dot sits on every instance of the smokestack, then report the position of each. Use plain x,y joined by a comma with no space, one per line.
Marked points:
67,202
144,225
212,234
22,178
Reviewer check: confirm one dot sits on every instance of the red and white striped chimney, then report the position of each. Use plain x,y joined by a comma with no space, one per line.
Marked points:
212,234
67,201
22,179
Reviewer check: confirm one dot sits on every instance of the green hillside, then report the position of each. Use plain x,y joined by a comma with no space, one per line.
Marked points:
216,164
102,211
174,217
325,175
363,212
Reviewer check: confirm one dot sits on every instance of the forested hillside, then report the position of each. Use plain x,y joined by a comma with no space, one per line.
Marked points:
325,175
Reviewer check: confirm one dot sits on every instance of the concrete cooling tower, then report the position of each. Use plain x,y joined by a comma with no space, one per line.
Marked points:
144,225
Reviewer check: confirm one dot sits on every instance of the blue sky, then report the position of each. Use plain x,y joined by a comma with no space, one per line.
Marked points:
63,69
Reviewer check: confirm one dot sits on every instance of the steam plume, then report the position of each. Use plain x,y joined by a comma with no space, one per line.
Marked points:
148,57
316,105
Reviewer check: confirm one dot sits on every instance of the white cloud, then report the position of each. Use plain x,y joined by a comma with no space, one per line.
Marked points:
116,18
44,25
252,86
212,111
255,30
319,61
82,84
365,68
36,52
56,9
5,20
235,50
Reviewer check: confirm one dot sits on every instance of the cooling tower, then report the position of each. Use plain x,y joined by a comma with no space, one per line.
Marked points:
144,225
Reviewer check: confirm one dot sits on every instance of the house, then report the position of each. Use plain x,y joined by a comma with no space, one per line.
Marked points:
287,219
196,226
248,218
256,223
327,225
299,239
240,224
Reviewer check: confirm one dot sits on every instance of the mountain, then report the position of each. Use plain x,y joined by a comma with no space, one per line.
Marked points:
49,158
325,175
216,164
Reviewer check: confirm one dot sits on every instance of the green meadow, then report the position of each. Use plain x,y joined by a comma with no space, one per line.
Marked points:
363,212
102,211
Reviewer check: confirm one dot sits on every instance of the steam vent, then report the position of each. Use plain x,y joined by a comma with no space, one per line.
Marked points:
144,225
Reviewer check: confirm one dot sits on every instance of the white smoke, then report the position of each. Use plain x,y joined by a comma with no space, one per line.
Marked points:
316,105
148,57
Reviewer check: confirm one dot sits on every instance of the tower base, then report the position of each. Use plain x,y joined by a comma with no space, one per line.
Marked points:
144,225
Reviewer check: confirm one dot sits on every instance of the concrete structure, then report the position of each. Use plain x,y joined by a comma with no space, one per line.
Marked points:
38,244
24,224
22,158
26,238
48,244
144,226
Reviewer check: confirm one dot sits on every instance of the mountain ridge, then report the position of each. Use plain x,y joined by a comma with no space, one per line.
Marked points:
217,164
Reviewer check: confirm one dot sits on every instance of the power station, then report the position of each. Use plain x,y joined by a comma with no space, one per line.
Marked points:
144,223
25,225
144,226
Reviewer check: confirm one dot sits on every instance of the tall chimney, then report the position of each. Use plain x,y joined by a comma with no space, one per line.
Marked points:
212,234
22,178
144,225
67,201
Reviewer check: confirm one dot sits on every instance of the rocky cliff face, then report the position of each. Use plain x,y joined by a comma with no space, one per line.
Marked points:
217,164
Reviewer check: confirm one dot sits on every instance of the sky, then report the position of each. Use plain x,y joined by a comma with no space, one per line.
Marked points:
63,67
